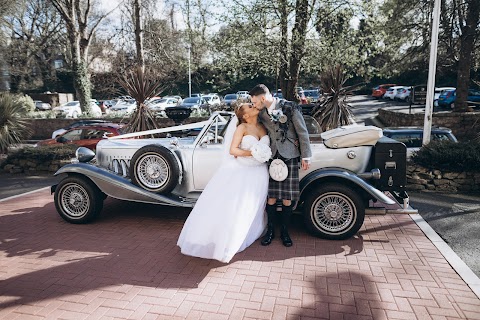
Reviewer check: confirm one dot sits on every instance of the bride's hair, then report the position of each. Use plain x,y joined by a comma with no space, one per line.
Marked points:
239,110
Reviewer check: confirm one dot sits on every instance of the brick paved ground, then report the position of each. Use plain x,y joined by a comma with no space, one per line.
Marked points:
127,266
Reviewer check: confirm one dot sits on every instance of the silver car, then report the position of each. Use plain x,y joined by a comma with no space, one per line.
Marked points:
173,169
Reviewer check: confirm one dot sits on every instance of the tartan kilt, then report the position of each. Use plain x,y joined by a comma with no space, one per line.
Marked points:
288,189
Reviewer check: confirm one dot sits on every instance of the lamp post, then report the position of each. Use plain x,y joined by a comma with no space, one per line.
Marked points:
427,125
189,74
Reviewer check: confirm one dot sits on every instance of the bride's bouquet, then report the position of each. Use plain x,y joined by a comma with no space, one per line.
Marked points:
261,152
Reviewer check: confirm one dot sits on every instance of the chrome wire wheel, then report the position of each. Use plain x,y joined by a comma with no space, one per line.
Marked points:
333,212
74,200
153,170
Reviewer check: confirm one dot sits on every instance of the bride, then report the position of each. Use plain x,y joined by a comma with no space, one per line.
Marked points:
229,214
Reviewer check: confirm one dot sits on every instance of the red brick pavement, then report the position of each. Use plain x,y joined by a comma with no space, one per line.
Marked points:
126,265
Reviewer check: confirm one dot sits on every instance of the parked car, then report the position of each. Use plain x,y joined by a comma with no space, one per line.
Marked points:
350,166
42,106
213,100
392,92
404,94
243,94
312,95
193,102
85,136
412,137
179,98
229,98
447,98
76,124
439,91
161,104
195,95
379,91
123,107
72,109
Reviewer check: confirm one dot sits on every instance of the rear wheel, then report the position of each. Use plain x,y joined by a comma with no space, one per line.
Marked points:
334,211
78,200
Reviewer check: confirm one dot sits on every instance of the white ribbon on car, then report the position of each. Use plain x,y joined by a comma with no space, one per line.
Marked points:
162,130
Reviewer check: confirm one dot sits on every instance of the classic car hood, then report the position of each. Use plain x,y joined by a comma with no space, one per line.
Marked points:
136,143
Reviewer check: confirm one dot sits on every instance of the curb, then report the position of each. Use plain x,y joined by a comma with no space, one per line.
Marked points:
452,258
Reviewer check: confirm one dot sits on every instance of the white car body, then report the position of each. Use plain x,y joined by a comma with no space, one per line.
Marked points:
403,94
438,92
161,104
124,107
213,100
72,109
40,105
243,94
390,93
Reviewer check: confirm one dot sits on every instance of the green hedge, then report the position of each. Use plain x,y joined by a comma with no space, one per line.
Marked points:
450,156
42,154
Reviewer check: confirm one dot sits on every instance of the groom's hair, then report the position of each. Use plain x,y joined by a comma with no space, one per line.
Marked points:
258,90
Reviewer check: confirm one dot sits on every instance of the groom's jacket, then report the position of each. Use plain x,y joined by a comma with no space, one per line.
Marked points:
290,139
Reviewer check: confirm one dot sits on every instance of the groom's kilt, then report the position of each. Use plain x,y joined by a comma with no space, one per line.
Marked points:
288,189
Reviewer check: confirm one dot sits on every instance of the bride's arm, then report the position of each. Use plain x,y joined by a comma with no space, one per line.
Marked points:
235,146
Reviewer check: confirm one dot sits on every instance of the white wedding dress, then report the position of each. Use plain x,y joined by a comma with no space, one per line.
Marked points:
229,214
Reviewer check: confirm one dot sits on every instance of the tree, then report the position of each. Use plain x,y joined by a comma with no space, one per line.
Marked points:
36,41
81,24
469,19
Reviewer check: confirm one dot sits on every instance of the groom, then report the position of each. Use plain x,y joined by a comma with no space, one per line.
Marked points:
289,141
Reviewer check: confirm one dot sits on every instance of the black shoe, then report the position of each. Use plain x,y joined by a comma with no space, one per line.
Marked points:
286,240
268,237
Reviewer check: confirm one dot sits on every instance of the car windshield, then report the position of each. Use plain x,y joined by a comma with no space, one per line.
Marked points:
231,97
71,104
207,98
191,100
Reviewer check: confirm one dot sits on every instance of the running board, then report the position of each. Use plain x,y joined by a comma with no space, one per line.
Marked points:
121,188
381,208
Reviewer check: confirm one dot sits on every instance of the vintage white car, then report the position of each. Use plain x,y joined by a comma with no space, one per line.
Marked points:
350,167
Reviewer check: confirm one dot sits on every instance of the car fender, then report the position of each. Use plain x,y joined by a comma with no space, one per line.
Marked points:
339,175
119,187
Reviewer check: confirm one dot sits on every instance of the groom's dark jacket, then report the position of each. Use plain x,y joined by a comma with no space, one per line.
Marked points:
289,139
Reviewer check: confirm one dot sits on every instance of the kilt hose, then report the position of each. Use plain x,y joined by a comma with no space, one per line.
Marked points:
288,189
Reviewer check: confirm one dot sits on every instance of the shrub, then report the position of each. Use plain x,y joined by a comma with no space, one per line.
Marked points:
42,154
41,115
450,156
26,102
12,128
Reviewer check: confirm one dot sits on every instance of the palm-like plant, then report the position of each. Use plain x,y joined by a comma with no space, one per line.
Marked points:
333,110
141,85
13,129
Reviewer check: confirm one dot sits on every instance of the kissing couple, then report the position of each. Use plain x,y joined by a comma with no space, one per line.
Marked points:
230,215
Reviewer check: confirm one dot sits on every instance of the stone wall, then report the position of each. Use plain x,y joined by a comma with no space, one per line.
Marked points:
465,125
43,128
420,178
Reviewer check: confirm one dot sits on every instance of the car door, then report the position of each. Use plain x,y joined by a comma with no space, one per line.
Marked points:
209,151
90,137
71,136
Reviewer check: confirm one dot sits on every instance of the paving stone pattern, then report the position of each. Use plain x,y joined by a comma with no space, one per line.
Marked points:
126,265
